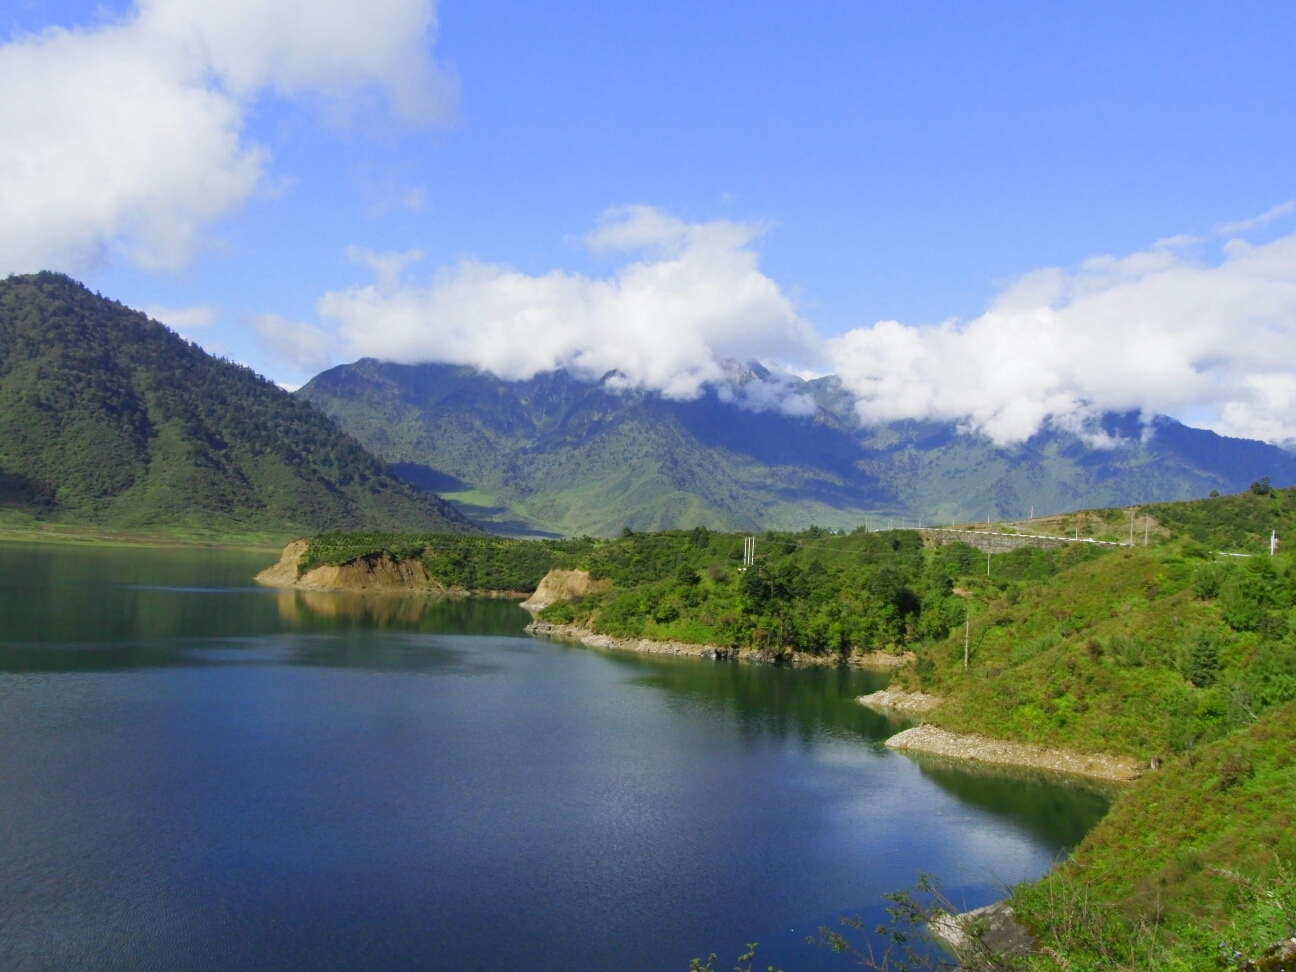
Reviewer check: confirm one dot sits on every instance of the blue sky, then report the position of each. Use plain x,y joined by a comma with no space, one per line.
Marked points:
902,161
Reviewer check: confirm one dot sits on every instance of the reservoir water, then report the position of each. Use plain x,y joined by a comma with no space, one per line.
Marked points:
196,773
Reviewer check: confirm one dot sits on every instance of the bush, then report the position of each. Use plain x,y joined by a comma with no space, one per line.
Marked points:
1199,659
1208,581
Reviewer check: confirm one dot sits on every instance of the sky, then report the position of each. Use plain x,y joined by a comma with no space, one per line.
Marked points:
1002,214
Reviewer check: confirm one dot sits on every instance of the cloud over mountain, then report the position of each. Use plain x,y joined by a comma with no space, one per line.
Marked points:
1159,331
1187,327
128,136
670,321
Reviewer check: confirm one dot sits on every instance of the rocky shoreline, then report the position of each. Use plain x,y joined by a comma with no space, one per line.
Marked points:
374,574
913,703
941,742
877,661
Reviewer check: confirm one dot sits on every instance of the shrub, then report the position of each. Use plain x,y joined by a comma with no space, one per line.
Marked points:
1208,581
1199,659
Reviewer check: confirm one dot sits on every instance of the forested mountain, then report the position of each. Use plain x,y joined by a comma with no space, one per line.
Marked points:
556,454
110,418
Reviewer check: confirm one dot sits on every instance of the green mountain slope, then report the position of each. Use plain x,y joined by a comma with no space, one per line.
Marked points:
556,454
110,418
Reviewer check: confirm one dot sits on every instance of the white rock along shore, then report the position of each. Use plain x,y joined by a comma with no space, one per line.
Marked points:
941,742
877,660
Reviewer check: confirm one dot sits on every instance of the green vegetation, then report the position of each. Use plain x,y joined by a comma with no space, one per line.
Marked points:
1142,652
468,562
1169,651
1197,855
1240,523
109,419
813,591
556,454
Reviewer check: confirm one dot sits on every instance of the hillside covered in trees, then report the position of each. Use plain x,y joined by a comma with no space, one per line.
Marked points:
107,417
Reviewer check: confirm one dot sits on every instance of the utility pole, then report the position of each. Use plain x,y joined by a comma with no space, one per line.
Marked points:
1032,512
987,563
1131,528
1273,542
1146,520
967,634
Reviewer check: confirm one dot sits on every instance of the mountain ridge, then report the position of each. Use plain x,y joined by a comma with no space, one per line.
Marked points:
555,454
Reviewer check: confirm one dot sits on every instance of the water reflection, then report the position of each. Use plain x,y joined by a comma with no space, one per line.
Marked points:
114,605
335,610
1055,808
783,702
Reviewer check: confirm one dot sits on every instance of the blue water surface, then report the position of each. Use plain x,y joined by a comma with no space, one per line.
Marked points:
196,773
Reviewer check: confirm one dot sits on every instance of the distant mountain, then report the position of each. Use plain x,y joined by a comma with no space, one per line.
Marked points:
564,456
108,417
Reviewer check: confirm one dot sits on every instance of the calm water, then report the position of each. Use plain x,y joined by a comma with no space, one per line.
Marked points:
199,774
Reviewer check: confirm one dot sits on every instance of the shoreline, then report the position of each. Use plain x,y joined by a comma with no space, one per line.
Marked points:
931,740
93,539
875,661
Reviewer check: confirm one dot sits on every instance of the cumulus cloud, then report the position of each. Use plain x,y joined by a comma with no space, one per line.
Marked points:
1172,330
128,136
1159,331
673,320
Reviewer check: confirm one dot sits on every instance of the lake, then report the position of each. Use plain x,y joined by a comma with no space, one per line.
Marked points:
196,773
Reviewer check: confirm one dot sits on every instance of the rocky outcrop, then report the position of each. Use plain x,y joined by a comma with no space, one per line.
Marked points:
991,931
563,585
377,573
915,703
942,742
284,573
592,639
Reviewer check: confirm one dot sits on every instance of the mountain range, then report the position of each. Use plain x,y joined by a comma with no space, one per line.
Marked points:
554,454
110,418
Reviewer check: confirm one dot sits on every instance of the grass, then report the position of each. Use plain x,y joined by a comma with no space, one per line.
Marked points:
17,527
1191,870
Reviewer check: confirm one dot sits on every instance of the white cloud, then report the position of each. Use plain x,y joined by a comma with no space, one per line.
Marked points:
1242,225
671,321
1163,331
294,342
385,266
127,136
1153,331
183,319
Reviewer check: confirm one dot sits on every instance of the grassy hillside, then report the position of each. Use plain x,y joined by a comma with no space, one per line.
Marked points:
1169,651
1193,869
569,457
109,418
